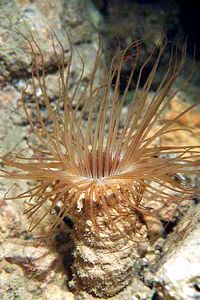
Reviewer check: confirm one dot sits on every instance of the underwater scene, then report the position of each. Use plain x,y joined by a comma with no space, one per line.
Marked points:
99,150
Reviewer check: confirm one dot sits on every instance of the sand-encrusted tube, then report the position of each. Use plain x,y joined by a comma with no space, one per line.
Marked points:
103,267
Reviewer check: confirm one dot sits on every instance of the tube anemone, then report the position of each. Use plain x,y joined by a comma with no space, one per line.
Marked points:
99,166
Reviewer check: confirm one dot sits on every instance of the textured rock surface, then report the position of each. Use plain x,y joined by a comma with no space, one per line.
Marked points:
38,17
190,121
178,276
54,292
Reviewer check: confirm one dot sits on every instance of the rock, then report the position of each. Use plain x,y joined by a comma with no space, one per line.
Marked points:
129,21
22,17
30,269
13,283
53,292
35,261
9,96
12,57
12,134
190,121
179,271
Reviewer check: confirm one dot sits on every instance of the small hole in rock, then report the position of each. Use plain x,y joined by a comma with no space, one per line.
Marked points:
197,287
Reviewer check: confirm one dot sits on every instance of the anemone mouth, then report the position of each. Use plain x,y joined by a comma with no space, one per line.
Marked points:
102,165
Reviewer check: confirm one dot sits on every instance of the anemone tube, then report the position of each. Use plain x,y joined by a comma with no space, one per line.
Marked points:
99,166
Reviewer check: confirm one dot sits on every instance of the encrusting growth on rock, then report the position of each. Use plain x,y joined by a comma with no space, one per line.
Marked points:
99,166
